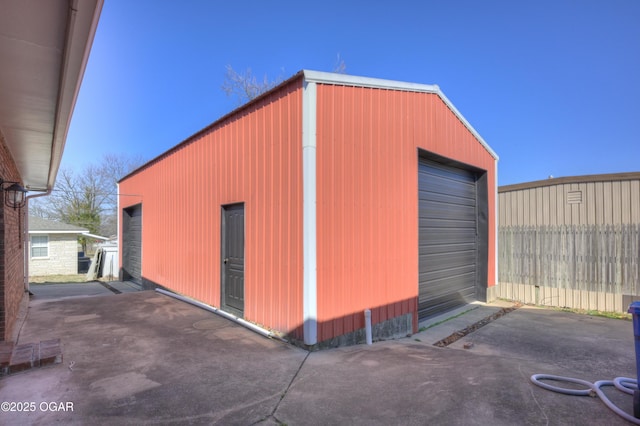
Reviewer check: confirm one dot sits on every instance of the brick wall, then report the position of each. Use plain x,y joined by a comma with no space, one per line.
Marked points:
62,259
11,250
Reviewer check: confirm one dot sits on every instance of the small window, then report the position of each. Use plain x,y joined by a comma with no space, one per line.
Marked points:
574,197
40,246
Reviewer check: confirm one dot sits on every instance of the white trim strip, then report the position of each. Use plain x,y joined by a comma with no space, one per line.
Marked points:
309,236
379,83
467,125
43,232
97,237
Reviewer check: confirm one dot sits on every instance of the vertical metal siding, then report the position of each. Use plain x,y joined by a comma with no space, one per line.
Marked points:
602,202
253,156
367,145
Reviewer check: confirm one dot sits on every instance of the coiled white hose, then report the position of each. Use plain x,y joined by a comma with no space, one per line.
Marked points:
623,384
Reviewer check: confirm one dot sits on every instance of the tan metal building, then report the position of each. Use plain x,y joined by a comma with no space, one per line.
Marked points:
571,241
577,200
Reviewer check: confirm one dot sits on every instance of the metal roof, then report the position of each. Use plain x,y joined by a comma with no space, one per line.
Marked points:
40,225
329,78
608,177
44,47
351,80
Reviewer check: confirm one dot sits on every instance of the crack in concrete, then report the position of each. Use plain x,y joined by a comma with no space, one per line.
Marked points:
284,394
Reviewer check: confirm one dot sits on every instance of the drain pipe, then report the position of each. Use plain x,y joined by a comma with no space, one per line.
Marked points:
367,326
224,314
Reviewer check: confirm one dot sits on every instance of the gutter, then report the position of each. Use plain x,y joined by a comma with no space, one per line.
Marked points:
72,68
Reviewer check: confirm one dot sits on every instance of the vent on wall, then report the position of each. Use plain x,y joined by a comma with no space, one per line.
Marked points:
574,197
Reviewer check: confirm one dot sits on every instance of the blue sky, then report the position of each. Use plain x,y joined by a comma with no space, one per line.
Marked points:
553,86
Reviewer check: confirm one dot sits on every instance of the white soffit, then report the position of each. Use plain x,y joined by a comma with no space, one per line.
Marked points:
44,47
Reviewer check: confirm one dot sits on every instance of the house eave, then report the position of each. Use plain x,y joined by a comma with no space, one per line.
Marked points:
45,48
57,232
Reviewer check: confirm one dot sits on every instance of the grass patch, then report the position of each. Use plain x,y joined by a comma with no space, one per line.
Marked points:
58,279
593,313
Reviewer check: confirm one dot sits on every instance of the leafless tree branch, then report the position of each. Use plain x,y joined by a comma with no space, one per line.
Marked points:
244,86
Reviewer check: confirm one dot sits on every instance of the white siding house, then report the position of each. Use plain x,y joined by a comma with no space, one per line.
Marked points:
53,247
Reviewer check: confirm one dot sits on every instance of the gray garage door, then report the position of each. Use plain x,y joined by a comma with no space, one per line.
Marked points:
132,244
447,237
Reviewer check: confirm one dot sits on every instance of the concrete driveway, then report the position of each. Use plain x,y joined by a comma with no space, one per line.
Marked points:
146,358
47,292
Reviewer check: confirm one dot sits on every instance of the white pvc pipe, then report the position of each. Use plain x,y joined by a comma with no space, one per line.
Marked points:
367,326
224,314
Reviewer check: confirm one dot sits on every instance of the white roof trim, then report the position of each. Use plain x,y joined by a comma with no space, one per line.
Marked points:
468,125
79,232
351,80
40,231
97,237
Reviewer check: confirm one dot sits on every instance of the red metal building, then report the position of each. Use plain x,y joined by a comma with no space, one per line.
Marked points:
326,196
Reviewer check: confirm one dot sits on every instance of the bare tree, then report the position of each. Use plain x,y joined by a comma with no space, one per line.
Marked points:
87,198
340,67
245,86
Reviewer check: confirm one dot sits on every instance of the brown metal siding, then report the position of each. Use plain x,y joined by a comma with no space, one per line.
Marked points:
254,157
367,197
602,202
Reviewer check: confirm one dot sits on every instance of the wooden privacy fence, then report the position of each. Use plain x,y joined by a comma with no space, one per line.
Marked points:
597,260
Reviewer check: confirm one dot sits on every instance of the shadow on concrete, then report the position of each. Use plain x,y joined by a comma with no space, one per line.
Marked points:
143,357
50,292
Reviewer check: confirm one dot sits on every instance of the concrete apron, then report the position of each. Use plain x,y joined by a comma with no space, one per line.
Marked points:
143,357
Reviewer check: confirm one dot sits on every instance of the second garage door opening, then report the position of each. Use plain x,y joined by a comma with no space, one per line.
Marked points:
449,237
